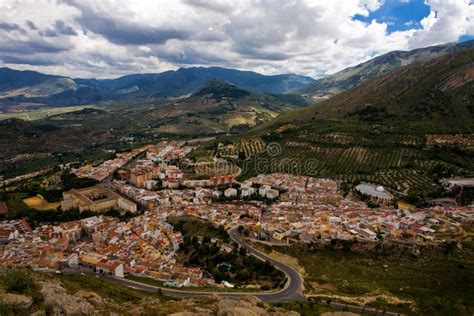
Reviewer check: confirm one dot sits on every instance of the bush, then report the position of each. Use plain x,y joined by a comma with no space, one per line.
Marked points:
20,281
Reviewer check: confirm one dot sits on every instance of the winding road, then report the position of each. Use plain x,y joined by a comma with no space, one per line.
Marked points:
292,290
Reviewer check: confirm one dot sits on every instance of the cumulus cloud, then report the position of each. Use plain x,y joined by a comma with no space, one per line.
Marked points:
107,38
448,19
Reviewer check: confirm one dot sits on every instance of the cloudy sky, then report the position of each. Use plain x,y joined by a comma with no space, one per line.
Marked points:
106,38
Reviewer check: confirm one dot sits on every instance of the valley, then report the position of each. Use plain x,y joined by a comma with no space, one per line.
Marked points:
220,190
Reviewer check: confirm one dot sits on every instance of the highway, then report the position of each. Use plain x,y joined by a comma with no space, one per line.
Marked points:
292,290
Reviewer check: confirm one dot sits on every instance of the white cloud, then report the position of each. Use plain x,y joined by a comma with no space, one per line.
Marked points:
448,19
110,38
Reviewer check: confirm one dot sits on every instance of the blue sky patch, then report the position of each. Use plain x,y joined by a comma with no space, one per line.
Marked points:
400,15
466,38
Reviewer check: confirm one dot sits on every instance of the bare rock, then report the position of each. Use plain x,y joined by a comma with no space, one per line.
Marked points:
93,298
64,304
247,306
21,302
287,313
192,314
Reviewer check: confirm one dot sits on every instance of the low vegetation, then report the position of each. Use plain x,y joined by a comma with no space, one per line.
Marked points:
117,292
344,150
437,282
193,227
232,265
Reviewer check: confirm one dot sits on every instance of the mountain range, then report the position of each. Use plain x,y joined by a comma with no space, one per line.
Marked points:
26,90
366,132
218,107
436,94
329,86
33,89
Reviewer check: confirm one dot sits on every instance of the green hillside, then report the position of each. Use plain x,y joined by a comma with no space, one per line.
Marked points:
326,87
437,95
404,130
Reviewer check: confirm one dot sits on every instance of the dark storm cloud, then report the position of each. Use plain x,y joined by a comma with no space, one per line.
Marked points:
31,25
31,47
260,54
189,55
123,32
11,27
29,60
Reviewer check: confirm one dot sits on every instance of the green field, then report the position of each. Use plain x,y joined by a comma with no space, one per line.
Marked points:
43,113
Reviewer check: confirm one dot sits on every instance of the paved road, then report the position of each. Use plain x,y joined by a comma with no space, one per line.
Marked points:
294,285
291,291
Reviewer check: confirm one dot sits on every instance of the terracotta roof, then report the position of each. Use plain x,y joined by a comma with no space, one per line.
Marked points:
3,207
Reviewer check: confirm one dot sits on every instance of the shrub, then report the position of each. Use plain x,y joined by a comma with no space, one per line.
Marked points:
21,282
18,281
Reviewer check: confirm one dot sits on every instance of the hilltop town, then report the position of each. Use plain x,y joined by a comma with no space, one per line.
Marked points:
153,183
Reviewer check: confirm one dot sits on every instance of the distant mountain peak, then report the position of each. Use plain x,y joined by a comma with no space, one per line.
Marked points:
437,94
329,86
219,89
28,87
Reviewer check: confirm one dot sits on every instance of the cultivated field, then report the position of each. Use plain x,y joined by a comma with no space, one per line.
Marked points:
40,204
401,160
43,113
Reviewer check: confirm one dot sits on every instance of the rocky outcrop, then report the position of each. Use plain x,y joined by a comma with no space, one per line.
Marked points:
17,302
58,300
55,295
246,306
93,298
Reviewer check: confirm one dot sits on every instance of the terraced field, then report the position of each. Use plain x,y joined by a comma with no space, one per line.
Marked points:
394,158
248,147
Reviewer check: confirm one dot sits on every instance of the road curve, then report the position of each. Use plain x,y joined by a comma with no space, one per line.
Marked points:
292,290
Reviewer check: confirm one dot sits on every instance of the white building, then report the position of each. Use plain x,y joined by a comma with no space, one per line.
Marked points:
367,234
247,191
150,184
375,193
263,190
230,192
272,194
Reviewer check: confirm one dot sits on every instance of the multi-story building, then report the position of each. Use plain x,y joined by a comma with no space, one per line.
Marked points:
96,198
